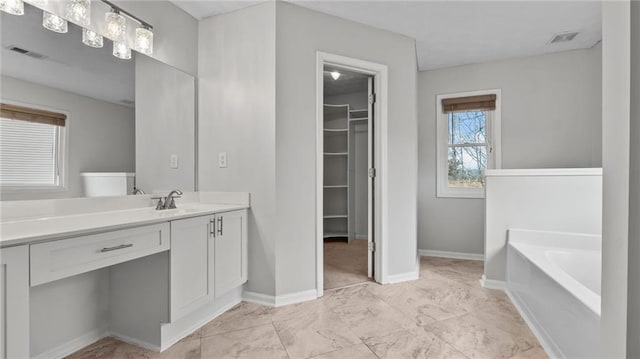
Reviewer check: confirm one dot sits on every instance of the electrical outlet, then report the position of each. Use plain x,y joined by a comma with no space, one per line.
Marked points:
222,160
174,161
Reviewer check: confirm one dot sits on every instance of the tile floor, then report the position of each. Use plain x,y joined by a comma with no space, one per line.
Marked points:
444,314
344,263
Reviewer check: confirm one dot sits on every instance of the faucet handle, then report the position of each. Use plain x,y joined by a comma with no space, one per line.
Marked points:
160,205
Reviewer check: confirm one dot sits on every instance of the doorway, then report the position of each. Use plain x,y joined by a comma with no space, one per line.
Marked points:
347,184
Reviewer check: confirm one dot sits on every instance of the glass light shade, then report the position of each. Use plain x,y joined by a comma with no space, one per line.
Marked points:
115,26
91,38
121,50
13,7
144,41
79,12
54,23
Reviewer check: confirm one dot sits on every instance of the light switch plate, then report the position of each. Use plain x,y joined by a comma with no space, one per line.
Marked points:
174,161
222,160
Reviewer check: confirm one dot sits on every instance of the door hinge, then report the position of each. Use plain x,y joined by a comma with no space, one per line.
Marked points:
372,99
372,172
372,246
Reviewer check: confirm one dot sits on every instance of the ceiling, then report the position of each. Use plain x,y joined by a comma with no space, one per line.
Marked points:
452,33
68,64
348,82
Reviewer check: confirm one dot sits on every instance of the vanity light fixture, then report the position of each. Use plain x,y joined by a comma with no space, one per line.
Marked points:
121,50
54,22
115,26
144,40
91,38
13,7
335,75
79,12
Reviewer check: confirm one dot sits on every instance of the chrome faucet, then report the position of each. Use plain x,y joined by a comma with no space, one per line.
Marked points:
138,191
169,202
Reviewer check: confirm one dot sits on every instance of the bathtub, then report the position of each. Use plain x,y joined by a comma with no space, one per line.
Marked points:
554,280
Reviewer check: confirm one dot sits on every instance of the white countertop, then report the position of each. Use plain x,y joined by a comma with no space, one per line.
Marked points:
41,229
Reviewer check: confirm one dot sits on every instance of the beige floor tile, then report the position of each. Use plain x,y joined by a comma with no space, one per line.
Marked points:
479,339
242,316
345,263
446,299
102,349
408,299
313,333
258,342
413,344
533,353
359,351
184,349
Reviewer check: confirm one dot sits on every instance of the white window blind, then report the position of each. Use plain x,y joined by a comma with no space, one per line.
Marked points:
28,153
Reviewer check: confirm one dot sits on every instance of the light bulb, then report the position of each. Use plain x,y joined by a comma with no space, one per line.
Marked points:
91,38
13,7
54,22
144,40
335,75
79,11
115,26
121,50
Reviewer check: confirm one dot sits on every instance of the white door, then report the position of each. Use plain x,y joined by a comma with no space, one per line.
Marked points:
230,251
371,180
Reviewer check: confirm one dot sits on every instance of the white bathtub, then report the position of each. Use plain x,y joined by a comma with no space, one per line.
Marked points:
554,280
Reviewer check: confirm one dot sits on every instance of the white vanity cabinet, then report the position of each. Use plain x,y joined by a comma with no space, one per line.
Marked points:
208,258
14,302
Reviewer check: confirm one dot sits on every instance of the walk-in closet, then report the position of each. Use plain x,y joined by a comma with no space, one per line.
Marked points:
346,120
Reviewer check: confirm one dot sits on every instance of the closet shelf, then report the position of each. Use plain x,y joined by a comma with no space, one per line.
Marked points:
335,130
335,234
336,153
331,216
359,110
337,186
359,119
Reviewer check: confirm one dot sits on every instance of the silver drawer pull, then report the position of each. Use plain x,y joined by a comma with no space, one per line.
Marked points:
122,246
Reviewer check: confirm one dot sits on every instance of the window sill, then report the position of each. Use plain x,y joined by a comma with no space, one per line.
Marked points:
32,189
460,193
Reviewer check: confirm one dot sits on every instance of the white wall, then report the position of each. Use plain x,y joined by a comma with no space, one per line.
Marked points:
101,135
165,126
300,34
237,115
545,200
633,315
175,32
550,118
616,104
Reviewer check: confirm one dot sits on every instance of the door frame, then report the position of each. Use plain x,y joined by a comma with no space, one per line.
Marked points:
380,74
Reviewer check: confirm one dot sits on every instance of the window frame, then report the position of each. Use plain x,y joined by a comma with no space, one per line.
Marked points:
62,155
493,139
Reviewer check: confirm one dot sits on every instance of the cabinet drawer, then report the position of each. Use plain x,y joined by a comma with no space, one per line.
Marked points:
67,257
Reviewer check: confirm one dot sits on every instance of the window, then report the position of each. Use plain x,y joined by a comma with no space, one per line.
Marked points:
468,132
32,148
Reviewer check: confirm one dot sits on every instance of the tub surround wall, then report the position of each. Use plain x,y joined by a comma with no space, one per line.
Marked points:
101,135
564,132
616,159
562,200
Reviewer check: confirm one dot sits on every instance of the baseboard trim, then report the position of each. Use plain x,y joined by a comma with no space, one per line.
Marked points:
402,277
280,300
492,283
74,345
136,342
454,255
550,348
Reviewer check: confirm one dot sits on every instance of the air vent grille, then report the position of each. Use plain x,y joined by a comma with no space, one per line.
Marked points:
563,37
22,51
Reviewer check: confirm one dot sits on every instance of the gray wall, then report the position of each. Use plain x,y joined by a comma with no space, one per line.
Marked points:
101,135
175,32
165,125
551,110
300,34
237,115
633,315
615,162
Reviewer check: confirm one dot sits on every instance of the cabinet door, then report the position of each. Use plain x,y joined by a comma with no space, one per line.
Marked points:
230,251
189,264
14,302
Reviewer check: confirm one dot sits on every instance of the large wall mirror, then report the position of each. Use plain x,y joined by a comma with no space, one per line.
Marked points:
114,116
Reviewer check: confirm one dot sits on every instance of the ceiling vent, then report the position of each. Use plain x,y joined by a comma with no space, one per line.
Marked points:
563,37
22,51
